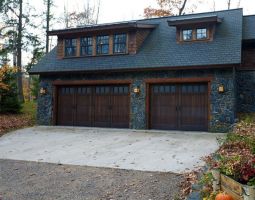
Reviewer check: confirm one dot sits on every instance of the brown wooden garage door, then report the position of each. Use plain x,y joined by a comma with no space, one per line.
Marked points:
99,106
179,106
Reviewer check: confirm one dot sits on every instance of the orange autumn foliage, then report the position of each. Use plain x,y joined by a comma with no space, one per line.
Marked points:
4,71
165,8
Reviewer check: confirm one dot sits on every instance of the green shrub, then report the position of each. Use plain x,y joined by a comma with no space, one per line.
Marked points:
9,102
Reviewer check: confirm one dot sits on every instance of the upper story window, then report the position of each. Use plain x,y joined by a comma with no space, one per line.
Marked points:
187,34
86,46
201,33
194,34
119,43
70,47
102,44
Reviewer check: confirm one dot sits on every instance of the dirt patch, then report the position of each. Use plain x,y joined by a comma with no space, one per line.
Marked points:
33,180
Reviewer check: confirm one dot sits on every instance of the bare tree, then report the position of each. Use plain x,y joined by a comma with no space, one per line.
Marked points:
88,16
19,51
49,4
98,10
229,4
214,5
182,7
238,3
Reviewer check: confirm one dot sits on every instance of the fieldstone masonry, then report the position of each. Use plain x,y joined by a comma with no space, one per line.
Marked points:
222,105
246,91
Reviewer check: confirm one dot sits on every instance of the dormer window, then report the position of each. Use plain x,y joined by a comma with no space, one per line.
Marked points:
119,43
194,29
187,34
102,44
194,34
201,33
70,47
86,46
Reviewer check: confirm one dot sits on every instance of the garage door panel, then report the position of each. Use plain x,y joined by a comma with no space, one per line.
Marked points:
65,114
120,107
193,113
163,107
83,106
179,106
102,109
100,106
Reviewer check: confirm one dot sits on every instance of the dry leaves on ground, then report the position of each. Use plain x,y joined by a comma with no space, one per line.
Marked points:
14,121
190,178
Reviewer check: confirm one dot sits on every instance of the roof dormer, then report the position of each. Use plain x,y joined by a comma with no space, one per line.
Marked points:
193,29
105,39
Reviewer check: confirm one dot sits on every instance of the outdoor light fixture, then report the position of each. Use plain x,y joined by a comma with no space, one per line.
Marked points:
42,91
221,89
136,90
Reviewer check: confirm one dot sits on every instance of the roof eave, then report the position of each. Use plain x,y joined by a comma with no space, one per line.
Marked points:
129,26
181,22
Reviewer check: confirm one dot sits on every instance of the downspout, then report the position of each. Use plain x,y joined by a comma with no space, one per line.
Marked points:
235,93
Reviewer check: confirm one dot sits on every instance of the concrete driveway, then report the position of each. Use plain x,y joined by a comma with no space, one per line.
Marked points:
171,151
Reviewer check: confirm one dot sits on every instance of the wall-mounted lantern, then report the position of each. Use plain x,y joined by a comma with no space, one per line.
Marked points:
221,89
136,90
43,91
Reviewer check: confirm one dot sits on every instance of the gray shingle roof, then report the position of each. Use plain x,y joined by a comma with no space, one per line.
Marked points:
160,49
249,27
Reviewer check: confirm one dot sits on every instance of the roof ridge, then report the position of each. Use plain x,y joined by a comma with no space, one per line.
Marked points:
253,15
200,13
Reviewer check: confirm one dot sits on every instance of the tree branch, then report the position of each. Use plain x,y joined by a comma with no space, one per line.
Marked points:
183,7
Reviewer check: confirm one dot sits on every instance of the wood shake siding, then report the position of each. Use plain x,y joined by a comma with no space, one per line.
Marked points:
132,43
60,48
140,37
136,39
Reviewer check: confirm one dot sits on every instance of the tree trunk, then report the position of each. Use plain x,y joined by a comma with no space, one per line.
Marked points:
98,9
183,7
19,55
47,24
229,4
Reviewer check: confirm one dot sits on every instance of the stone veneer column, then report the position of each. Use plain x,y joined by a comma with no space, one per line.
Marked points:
223,110
137,106
45,103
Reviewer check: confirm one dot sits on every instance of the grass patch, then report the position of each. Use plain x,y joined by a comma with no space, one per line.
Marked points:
29,108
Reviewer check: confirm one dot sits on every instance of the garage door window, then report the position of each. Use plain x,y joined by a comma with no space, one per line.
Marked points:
120,90
164,89
83,90
102,90
67,91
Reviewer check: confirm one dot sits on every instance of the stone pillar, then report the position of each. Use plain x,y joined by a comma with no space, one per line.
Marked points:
45,103
222,104
138,107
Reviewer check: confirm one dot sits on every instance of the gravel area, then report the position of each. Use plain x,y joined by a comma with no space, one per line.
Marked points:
33,180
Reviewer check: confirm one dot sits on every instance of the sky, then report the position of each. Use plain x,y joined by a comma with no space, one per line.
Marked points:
122,10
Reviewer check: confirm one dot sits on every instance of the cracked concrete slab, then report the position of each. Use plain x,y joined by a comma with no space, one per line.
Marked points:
146,150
